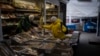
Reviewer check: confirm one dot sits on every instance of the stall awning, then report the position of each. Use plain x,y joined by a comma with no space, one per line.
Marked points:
82,9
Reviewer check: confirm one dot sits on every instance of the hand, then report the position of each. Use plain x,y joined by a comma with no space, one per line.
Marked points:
40,27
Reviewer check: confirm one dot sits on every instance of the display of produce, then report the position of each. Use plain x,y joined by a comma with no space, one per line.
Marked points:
13,11
48,46
51,10
4,16
6,6
25,5
25,50
23,37
3,0
12,16
5,23
19,15
30,51
7,16
9,19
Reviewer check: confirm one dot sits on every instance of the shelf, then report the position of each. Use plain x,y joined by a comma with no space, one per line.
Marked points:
27,11
9,25
6,7
20,10
52,10
10,18
7,10
48,20
52,15
13,24
4,2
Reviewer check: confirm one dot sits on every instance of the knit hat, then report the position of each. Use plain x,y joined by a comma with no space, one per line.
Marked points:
53,18
31,17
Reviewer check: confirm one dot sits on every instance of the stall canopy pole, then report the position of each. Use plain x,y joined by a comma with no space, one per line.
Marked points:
44,16
98,22
1,35
44,20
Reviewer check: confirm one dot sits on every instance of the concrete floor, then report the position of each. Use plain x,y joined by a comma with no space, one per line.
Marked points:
86,49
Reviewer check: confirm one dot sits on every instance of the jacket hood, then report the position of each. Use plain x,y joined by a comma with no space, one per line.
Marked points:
58,20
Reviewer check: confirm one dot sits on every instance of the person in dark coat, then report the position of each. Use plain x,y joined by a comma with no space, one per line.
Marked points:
26,23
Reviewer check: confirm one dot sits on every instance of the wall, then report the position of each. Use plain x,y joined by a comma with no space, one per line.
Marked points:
1,34
98,23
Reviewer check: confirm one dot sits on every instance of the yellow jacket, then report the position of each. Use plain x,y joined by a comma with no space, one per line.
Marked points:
56,29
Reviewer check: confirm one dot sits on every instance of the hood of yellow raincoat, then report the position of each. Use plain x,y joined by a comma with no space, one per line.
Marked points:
57,21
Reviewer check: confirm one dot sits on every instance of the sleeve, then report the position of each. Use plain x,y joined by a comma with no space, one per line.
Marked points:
47,27
64,29
33,24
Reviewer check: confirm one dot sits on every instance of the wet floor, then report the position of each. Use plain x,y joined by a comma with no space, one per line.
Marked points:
86,49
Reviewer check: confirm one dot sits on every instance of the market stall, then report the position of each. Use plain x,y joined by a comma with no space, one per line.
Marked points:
32,41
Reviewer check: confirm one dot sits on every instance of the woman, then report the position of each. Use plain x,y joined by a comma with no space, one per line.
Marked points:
56,29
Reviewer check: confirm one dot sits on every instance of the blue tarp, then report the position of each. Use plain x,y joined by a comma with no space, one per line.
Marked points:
89,26
72,27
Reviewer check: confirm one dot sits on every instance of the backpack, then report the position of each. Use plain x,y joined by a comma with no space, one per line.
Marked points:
66,32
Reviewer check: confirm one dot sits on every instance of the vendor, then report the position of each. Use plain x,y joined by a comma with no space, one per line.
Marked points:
56,29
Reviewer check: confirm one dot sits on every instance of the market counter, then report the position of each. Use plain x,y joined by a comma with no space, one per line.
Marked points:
44,44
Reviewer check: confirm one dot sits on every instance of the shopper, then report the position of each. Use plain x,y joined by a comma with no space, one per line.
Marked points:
26,23
56,29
